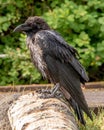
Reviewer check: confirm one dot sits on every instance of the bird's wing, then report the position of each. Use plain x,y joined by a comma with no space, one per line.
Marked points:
55,46
69,79
62,64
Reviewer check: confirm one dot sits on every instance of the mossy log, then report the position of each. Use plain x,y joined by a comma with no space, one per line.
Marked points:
31,112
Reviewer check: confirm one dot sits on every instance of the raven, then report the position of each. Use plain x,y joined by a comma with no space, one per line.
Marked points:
57,61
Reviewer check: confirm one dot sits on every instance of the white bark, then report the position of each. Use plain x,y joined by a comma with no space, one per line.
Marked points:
5,103
30,112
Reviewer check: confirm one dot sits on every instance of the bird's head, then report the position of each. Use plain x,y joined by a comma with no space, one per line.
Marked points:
32,25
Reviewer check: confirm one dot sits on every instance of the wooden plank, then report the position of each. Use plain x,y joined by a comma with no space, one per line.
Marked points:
89,85
94,92
95,98
21,88
94,85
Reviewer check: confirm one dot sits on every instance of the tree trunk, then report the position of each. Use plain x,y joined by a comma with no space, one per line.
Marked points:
30,112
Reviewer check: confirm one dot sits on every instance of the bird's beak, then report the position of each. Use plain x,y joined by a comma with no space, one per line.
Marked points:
22,27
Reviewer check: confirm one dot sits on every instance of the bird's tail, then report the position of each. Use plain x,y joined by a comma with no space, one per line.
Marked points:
78,111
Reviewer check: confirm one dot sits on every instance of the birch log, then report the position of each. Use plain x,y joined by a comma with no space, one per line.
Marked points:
30,112
5,103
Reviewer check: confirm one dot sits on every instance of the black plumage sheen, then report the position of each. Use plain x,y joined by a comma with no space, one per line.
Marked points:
57,61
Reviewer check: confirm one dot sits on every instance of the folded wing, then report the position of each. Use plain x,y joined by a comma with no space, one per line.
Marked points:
63,65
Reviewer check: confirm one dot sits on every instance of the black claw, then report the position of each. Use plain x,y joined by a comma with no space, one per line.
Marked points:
44,96
48,91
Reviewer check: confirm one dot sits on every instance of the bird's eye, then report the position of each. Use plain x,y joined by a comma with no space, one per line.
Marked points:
34,25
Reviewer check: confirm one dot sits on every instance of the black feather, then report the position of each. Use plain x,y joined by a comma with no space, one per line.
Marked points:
78,111
57,61
56,47
69,79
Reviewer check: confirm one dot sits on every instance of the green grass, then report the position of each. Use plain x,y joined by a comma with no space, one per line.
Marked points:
96,124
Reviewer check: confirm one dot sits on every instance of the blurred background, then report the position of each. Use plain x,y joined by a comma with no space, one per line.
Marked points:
80,22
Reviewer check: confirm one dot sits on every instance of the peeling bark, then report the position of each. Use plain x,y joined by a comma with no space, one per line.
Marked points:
30,112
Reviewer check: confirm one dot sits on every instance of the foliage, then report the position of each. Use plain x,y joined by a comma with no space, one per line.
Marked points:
19,59
96,124
17,67
81,23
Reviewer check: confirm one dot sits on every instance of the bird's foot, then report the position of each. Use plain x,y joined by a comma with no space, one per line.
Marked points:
48,93
51,93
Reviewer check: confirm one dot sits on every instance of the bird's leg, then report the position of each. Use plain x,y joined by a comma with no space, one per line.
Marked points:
55,89
55,92
52,92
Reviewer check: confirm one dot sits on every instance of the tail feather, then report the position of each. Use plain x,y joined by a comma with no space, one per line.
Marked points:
77,111
70,81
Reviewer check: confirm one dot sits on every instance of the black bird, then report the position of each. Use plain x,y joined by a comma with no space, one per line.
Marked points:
57,61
